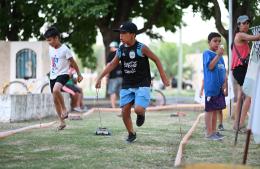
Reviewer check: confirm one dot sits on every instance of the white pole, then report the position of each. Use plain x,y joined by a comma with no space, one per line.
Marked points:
180,62
230,33
230,38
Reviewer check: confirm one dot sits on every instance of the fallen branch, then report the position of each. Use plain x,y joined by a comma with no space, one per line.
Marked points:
156,108
185,139
12,132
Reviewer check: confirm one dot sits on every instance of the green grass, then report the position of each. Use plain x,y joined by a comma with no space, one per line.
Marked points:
220,151
156,147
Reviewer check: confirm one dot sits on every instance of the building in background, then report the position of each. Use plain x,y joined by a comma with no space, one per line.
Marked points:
23,61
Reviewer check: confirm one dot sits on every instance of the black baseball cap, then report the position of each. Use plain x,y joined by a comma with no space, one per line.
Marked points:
127,27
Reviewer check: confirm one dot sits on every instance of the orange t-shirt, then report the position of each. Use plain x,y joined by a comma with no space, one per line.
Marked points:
243,50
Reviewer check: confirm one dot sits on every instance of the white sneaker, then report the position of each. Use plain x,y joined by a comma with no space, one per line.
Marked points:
77,109
84,109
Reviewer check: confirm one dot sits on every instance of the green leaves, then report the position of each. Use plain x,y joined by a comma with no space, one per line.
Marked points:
80,19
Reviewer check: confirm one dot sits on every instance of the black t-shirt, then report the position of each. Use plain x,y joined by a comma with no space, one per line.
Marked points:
135,66
117,71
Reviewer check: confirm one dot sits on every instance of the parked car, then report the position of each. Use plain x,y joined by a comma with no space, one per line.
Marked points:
186,84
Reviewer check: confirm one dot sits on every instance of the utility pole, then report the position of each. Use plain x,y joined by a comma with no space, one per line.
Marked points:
230,33
180,62
230,38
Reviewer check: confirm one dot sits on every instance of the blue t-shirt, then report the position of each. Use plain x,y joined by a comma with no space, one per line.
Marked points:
215,78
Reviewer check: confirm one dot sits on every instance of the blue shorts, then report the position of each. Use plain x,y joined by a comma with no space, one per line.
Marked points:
140,96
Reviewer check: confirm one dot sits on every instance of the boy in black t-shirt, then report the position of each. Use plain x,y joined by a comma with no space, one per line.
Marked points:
133,56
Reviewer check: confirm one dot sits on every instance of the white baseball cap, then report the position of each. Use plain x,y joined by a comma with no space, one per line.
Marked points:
113,44
242,19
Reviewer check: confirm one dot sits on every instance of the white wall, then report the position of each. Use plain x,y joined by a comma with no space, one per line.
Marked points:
14,108
5,62
41,50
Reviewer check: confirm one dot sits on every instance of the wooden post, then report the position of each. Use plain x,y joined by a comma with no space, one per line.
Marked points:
246,146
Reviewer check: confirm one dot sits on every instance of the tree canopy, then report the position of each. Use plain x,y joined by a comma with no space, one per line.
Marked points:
20,20
211,9
79,20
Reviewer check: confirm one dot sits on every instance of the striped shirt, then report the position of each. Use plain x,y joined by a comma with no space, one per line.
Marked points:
243,50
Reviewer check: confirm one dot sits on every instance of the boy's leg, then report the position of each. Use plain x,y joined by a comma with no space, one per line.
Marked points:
79,96
142,99
126,102
214,121
220,117
73,101
126,113
208,122
140,111
113,100
57,102
58,95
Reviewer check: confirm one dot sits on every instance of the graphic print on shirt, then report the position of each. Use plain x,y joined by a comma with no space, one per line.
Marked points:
59,59
54,63
130,67
221,66
132,54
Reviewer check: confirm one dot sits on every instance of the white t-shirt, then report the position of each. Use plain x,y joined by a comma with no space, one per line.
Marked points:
59,61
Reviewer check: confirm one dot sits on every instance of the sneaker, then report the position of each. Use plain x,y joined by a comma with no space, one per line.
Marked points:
84,108
221,127
64,115
221,136
131,137
213,137
77,109
61,127
140,120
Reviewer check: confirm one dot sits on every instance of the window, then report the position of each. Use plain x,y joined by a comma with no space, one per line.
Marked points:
26,64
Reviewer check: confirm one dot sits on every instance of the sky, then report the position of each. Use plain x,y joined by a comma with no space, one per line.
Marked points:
196,29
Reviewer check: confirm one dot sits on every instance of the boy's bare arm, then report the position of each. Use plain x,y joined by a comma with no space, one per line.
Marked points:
214,61
75,66
225,86
202,88
147,52
109,67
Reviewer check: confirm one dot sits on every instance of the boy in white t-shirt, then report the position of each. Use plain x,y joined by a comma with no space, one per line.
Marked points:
61,60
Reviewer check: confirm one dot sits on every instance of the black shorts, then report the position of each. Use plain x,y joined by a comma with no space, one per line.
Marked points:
239,74
215,103
62,79
74,88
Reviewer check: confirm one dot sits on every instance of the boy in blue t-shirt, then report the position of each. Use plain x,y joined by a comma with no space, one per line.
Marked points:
133,56
215,84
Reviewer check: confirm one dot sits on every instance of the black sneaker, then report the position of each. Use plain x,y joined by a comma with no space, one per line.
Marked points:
140,120
221,127
131,137
221,136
